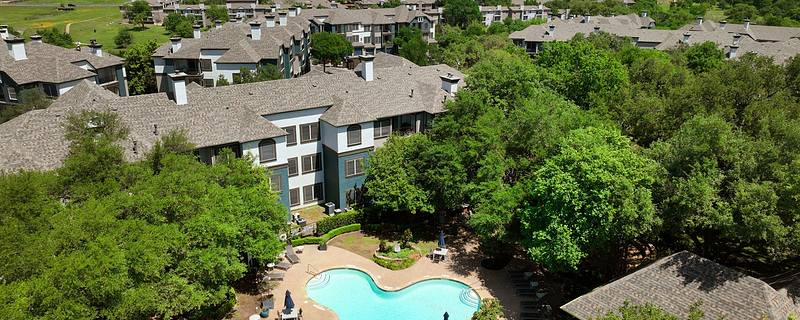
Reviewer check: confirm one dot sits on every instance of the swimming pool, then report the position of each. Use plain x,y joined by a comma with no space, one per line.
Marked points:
353,295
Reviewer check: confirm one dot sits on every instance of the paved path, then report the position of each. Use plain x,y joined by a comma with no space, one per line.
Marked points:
464,266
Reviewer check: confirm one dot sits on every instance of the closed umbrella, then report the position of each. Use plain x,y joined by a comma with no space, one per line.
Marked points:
446,316
288,303
441,238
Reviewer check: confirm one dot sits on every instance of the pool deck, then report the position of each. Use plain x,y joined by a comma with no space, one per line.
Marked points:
462,265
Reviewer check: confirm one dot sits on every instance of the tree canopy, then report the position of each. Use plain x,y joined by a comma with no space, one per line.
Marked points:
329,47
461,12
139,64
138,11
125,241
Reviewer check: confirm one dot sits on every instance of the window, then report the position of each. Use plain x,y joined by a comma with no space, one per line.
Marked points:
312,162
205,64
408,123
106,75
312,193
50,89
354,167
309,132
382,128
208,83
294,197
353,135
12,93
275,183
293,167
291,138
266,150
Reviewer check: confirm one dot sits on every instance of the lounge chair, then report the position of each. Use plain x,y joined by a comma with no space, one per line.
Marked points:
274,276
291,256
526,284
283,265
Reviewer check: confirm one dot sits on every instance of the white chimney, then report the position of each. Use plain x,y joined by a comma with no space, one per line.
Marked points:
732,52
36,38
96,48
255,30
686,37
450,83
723,24
644,14
3,32
293,11
551,30
270,20
218,24
228,6
298,9
196,31
334,5
699,20
282,19
587,18
367,62
596,29
747,24
16,48
179,87
176,44
736,38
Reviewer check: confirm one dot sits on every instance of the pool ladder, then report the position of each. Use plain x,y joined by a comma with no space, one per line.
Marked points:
319,281
469,297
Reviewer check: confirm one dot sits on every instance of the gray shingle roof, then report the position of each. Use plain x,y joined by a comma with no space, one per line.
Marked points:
221,115
677,281
232,36
363,16
52,64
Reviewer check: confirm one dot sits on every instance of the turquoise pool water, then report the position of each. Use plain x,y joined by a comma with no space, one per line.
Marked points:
354,296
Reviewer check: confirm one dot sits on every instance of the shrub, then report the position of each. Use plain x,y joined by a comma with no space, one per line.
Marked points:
490,310
123,38
335,232
383,246
394,265
327,224
306,240
406,238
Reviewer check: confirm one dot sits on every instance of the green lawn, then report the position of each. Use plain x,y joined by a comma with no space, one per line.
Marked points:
101,23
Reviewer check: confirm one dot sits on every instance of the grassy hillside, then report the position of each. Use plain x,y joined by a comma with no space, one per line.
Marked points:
101,21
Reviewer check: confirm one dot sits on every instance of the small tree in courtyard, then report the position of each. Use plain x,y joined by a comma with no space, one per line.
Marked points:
329,47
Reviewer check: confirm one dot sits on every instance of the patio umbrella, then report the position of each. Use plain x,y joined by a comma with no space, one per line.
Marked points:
288,303
446,316
254,317
441,238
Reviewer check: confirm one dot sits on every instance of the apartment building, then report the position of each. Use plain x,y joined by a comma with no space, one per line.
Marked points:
275,39
779,43
492,14
54,70
157,13
313,133
370,30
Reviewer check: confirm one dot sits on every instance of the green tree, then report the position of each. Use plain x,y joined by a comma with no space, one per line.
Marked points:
461,12
222,81
139,65
412,46
329,47
490,309
648,311
216,12
57,38
138,11
704,57
392,181
30,99
123,39
793,75
184,29
592,196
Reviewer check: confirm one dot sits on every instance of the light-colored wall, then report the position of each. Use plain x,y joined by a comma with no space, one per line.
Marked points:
213,55
66,86
251,148
366,138
296,118
228,69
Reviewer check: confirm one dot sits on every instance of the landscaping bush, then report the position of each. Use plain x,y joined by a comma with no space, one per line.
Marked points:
327,224
393,264
324,238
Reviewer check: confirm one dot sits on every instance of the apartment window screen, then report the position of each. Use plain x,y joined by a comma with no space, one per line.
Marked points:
353,135
50,89
293,167
275,183
354,167
12,94
294,197
205,64
266,150
208,83
291,138
309,132
383,128
312,162
312,193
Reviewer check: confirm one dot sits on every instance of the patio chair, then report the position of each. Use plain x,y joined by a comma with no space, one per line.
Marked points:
283,265
275,276
526,284
291,256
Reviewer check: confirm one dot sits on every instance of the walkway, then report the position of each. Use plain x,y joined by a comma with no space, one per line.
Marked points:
464,266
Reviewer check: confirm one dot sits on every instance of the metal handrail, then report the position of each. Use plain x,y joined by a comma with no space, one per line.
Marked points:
310,269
